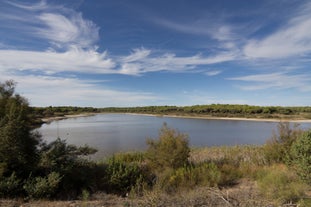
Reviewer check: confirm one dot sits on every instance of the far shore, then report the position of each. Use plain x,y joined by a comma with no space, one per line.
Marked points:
56,118
227,118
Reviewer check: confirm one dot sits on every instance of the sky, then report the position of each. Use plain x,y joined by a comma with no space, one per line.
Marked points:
103,53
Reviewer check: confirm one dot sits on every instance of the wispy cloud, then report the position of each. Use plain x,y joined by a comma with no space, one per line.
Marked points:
47,90
213,72
61,26
32,7
142,61
210,27
72,30
72,60
136,55
277,80
72,47
292,39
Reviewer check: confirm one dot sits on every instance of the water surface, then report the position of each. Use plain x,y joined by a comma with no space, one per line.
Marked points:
111,133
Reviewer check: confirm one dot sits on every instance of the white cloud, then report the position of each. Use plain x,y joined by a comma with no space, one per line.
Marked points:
72,30
73,60
61,26
292,39
142,62
213,28
46,91
136,55
275,80
32,7
213,72
72,47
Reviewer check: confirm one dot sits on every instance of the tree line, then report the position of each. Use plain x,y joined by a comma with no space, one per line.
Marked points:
213,110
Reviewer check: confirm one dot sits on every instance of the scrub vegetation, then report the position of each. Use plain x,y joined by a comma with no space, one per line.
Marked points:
168,173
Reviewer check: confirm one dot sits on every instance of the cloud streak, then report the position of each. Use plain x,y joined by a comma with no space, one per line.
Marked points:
142,61
73,60
73,30
292,39
72,91
277,80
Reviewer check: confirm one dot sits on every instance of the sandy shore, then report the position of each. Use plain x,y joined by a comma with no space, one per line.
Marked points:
56,118
227,118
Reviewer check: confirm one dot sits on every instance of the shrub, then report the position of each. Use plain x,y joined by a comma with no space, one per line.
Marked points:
190,176
277,148
121,177
280,184
68,161
43,187
171,150
10,186
301,156
129,157
229,174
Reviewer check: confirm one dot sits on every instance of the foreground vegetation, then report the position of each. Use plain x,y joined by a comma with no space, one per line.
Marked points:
168,173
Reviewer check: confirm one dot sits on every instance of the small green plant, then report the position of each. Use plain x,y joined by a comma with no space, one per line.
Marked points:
85,195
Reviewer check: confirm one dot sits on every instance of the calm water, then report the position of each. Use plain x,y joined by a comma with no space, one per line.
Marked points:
111,133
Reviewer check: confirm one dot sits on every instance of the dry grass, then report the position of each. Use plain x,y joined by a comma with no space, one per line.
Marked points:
243,194
249,154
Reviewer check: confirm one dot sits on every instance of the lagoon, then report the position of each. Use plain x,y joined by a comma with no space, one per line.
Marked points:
112,133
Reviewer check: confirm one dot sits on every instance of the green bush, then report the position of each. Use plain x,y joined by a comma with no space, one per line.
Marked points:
300,155
43,187
171,150
277,148
129,157
281,185
121,177
10,186
229,174
68,161
188,177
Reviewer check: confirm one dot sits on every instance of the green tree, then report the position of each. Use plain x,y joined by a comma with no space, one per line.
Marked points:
18,145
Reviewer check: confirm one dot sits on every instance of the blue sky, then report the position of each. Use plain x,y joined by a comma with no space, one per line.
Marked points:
143,52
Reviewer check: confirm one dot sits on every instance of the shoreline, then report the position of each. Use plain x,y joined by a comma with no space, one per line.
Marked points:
226,118
57,118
